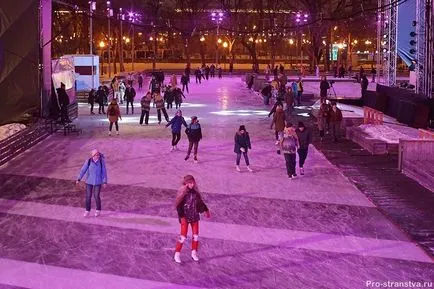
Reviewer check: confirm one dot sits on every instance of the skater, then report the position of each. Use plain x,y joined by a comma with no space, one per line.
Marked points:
198,75
207,70
91,99
242,145
323,117
289,100
194,133
178,97
121,95
373,73
145,103
155,85
176,124
335,121
114,115
115,88
278,123
96,176
130,93
212,70
219,71
364,83
159,102
173,81
100,97
305,139
299,90
184,81
140,81
294,88
169,96
189,205
288,146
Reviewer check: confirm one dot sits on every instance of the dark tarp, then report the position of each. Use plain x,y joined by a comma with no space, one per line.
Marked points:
19,54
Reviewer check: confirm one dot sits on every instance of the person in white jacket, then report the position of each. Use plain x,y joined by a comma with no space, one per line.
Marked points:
122,89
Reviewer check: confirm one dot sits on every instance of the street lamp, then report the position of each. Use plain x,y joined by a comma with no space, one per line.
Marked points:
202,39
299,18
133,17
92,7
218,18
101,46
121,18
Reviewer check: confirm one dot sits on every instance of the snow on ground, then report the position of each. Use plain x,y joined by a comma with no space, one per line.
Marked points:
384,132
8,130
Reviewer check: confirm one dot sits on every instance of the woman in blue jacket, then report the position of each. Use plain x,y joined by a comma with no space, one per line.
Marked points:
176,123
194,133
96,176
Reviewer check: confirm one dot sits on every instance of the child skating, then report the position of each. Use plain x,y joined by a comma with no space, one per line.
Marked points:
189,205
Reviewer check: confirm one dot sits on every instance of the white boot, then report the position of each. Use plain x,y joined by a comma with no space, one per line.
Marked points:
177,257
249,169
238,168
172,149
194,255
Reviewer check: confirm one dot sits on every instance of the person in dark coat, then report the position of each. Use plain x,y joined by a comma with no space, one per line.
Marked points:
335,121
63,102
266,94
207,70
219,71
242,145
130,93
324,87
304,139
100,97
145,103
364,85
91,99
184,82
140,81
212,70
178,95
176,124
159,102
198,75
194,133
187,72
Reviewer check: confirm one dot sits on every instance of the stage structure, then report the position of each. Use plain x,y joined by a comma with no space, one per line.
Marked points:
424,51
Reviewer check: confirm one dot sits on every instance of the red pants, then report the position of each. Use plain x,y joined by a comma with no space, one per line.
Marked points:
183,236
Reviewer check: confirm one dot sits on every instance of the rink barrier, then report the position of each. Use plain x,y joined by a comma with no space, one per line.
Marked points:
372,116
16,144
426,134
415,160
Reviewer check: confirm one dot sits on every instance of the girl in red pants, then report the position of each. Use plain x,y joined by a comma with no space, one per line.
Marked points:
189,205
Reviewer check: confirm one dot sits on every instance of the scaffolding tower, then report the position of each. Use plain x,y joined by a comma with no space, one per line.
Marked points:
424,52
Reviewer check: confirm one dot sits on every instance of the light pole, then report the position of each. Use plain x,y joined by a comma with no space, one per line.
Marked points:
92,7
133,17
218,18
121,17
109,14
301,18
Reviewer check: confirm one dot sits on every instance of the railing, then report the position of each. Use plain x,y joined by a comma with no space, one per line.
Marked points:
372,116
426,134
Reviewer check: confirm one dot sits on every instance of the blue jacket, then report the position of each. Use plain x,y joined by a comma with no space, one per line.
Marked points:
96,172
176,123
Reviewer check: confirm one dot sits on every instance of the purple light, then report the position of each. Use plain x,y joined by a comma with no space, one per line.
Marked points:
108,2
221,14
297,20
298,15
305,15
131,14
213,14
305,20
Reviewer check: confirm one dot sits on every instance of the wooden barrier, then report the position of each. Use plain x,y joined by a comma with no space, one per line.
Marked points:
426,134
416,157
21,141
372,116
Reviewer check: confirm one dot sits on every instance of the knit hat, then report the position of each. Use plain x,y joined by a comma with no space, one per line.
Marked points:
194,117
188,179
242,127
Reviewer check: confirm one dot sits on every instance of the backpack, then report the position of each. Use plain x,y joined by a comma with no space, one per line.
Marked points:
112,110
190,207
289,144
